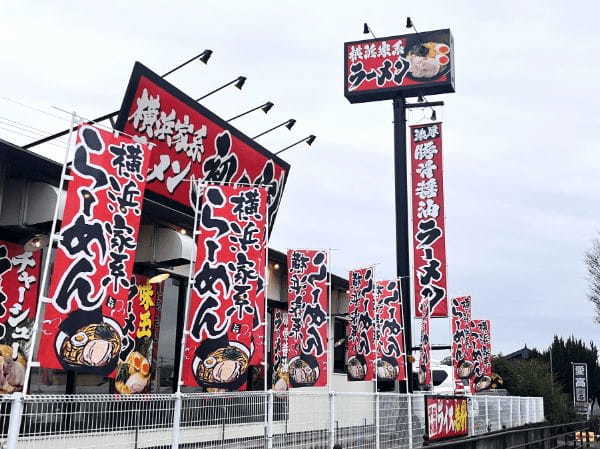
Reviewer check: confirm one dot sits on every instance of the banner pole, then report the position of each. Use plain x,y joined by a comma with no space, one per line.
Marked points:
188,292
48,254
330,327
266,307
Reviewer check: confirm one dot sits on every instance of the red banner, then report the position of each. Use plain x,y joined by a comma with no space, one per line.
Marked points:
193,143
462,353
481,345
409,65
390,325
137,358
279,351
226,310
360,331
19,286
308,312
429,247
86,313
446,417
425,352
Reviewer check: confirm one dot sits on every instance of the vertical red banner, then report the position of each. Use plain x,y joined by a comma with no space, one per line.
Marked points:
429,243
226,308
390,325
86,313
19,286
308,314
425,352
136,360
462,353
481,345
279,351
361,347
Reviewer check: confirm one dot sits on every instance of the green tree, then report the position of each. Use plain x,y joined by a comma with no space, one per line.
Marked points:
532,378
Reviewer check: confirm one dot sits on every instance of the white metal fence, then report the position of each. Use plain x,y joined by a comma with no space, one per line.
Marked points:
248,420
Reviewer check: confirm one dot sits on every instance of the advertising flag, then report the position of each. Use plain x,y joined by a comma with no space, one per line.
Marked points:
279,351
226,309
136,364
361,347
19,286
308,315
462,358
429,247
580,388
390,325
481,345
86,309
425,353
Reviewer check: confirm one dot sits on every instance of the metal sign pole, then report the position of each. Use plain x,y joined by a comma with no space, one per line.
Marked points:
402,230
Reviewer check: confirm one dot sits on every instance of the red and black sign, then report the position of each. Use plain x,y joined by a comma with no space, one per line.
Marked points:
361,347
446,417
407,65
86,312
192,143
481,347
19,286
226,310
425,352
462,352
279,351
137,358
308,317
390,330
429,242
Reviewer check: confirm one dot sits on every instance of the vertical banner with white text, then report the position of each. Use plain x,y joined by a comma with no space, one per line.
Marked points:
85,314
19,286
226,309
279,351
429,245
580,388
462,358
308,315
360,331
481,347
425,352
390,341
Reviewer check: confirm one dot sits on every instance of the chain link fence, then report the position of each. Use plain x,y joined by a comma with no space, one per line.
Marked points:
248,420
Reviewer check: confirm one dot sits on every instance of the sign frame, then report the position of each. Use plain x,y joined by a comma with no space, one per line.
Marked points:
139,71
428,88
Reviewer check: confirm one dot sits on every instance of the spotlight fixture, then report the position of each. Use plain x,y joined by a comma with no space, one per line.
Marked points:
267,107
409,23
206,54
311,139
290,123
158,278
365,28
36,243
420,99
240,82
433,115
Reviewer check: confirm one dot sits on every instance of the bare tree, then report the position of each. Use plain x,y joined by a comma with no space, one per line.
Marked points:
592,261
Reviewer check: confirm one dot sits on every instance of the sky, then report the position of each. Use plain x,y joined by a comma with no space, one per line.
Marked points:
520,152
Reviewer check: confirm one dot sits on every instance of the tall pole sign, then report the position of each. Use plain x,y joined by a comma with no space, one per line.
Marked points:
580,388
395,68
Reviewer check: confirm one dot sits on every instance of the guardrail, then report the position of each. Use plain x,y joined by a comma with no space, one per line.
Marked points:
295,419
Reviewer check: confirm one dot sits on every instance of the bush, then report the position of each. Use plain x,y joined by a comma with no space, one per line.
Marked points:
532,378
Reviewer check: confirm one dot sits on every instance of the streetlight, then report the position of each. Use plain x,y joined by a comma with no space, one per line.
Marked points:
266,107
289,124
309,140
238,82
